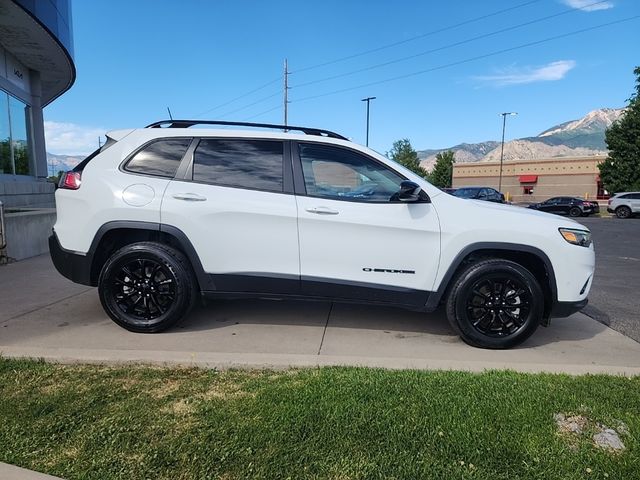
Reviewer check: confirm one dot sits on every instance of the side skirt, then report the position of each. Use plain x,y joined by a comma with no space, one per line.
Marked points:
284,287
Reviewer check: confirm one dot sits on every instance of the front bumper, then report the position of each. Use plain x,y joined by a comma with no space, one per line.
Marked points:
565,309
72,265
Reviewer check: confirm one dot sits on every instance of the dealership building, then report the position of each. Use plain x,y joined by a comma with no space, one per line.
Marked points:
535,180
36,67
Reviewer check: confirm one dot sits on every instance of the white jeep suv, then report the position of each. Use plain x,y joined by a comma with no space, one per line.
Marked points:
162,214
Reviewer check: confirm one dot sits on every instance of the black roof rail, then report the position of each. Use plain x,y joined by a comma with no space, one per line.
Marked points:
191,123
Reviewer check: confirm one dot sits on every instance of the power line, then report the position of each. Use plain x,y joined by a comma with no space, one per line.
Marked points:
239,97
261,113
444,47
263,99
471,59
407,40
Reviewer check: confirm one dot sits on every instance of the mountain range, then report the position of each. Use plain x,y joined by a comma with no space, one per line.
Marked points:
55,163
575,138
582,137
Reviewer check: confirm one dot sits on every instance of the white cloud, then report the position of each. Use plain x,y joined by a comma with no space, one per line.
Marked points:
588,5
71,139
518,76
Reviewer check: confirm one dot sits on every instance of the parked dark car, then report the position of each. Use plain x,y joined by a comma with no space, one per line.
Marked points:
480,193
449,190
572,206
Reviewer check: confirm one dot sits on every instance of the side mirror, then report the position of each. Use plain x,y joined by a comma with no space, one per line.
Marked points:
409,191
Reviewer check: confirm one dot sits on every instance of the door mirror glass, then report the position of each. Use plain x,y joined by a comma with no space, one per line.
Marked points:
409,191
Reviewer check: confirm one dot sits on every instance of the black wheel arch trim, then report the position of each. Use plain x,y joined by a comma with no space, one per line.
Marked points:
80,266
435,298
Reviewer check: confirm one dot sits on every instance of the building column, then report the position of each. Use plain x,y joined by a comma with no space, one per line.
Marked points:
38,157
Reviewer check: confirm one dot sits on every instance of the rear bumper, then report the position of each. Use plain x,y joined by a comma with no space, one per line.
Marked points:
72,265
610,210
565,309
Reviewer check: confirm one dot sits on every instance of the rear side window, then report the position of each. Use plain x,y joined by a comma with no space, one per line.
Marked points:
160,158
253,164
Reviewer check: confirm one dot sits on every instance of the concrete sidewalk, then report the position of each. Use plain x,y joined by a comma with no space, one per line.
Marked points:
43,315
11,472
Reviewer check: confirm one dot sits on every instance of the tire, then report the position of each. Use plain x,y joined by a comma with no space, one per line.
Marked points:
475,316
575,212
147,287
623,212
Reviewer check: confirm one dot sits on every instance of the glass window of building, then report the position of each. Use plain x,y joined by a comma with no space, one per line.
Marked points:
14,147
6,162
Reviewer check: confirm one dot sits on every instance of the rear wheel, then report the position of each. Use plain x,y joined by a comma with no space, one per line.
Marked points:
495,303
623,212
575,212
147,287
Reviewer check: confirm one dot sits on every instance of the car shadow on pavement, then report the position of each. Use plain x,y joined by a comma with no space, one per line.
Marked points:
227,313
224,313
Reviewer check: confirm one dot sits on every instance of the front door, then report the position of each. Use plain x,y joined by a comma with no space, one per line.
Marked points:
357,241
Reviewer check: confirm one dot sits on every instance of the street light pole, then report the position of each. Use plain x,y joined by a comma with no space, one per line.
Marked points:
368,99
504,124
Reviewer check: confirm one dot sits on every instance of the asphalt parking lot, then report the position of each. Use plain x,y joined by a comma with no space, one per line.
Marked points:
615,295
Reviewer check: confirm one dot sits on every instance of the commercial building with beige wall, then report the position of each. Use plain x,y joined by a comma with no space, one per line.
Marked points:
535,180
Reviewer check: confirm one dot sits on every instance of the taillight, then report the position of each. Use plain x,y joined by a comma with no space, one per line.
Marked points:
70,180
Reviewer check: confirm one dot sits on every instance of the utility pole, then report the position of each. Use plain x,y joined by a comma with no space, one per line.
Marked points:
368,99
504,124
286,92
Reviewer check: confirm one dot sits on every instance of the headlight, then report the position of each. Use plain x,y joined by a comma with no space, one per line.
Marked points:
577,237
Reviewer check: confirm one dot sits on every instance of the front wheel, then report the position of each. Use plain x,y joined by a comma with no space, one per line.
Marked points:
495,303
147,287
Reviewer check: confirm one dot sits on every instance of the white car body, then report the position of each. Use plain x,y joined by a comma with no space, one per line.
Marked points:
631,200
309,244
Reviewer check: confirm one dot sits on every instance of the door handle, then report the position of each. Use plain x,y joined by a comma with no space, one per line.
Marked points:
322,211
189,197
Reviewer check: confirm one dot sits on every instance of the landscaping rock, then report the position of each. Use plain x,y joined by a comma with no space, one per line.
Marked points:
609,440
574,424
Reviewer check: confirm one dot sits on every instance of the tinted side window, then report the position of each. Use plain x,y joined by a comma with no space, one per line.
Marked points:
160,158
494,195
341,174
255,164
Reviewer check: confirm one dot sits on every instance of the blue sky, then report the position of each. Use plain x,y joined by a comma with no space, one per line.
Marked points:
135,58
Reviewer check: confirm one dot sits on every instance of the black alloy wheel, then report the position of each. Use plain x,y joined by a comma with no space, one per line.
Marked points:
144,289
498,305
495,303
575,212
623,212
147,287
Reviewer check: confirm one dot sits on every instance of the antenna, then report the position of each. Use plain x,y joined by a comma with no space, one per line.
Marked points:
170,116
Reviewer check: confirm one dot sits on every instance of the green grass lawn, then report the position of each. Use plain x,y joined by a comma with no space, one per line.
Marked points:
337,423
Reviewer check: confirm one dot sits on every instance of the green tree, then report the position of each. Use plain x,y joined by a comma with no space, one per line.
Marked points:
403,153
442,172
620,171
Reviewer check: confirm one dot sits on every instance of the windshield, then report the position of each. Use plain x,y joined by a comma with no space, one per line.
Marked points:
466,192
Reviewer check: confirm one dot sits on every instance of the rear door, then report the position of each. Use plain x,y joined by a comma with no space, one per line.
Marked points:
635,202
235,204
356,241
